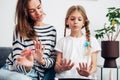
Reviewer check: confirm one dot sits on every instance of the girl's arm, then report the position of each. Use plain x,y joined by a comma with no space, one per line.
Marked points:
86,70
93,62
62,64
58,61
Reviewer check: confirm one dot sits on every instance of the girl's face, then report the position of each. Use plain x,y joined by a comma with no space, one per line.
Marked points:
35,10
75,21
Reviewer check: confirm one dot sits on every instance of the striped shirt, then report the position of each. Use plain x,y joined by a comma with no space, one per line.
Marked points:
47,36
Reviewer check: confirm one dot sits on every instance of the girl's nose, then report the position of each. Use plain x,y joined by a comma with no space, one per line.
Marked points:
75,21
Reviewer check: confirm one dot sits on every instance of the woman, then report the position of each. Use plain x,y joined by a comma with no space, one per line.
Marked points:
33,41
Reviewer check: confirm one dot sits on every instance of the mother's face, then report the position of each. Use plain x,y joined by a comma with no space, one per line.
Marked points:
35,10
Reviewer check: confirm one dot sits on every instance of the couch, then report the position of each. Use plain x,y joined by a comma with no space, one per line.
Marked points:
49,75
4,52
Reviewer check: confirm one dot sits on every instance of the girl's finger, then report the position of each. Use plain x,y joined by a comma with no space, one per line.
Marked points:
86,66
80,64
69,62
69,67
78,69
64,61
83,65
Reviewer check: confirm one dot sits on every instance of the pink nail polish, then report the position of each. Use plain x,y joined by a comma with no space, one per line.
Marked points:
30,50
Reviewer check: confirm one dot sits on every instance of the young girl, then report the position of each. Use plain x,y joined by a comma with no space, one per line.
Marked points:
77,53
33,41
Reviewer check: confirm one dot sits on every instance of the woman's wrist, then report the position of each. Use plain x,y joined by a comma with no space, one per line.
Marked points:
28,68
42,62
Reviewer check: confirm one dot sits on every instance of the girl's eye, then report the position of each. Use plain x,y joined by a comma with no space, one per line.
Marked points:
79,19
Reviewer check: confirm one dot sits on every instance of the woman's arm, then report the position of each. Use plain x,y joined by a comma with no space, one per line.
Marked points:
49,55
17,47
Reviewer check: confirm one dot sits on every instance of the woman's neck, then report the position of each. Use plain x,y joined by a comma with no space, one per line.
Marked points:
40,24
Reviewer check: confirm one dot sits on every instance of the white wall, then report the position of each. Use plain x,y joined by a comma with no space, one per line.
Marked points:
7,8
55,12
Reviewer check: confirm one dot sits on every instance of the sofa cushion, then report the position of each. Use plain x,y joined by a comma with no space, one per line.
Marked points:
4,52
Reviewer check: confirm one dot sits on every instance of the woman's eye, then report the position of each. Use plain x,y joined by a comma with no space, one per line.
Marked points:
31,11
72,19
39,7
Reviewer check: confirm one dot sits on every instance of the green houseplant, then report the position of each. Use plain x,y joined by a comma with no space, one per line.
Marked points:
111,30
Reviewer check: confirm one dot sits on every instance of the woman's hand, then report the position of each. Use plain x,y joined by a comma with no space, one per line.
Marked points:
83,69
39,50
26,59
63,65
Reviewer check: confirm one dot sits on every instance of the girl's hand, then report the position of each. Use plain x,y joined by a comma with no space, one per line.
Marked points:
64,65
26,59
83,69
39,50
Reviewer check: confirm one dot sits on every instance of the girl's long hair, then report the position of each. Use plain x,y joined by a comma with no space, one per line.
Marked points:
86,21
